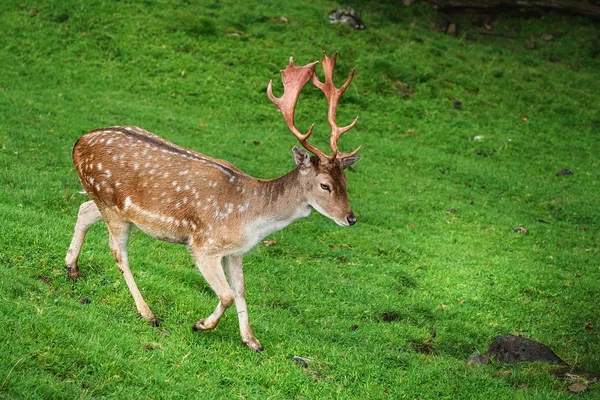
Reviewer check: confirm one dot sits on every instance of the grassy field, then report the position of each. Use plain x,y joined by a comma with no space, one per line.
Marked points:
390,308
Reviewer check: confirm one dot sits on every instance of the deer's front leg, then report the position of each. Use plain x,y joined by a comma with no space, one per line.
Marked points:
233,269
211,269
87,216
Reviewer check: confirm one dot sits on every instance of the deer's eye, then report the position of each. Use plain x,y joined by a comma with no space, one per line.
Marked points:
326,187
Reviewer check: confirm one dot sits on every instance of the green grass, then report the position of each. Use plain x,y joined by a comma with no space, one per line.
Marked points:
432,262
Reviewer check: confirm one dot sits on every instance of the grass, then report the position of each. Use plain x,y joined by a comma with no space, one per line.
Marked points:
390,308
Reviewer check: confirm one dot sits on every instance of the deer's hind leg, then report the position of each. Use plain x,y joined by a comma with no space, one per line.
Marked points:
119,231
88,215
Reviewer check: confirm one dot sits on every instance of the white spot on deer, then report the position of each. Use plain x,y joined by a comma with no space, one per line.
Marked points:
91,180
166,175
99,166
155,185
187,187
117,184
174,183
109,141
163,194
184,222
184,172
136,166
178,189
185,200
107,173
243,207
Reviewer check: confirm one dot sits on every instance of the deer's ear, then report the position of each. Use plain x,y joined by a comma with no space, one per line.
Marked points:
348,161
301,158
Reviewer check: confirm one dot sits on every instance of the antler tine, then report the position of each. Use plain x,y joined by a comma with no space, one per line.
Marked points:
294,78
333,96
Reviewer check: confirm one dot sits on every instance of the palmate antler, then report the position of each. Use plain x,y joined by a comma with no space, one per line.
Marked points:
294,79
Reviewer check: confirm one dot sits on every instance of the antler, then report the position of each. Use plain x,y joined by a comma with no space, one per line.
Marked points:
333,95
294,78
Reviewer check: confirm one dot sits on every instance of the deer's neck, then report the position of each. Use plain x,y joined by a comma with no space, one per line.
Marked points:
279,202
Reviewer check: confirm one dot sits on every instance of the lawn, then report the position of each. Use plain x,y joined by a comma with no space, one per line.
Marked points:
465,230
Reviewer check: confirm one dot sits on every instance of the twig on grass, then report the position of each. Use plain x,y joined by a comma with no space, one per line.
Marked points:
11,370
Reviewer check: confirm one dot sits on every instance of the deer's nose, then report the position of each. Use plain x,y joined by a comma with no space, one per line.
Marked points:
351,218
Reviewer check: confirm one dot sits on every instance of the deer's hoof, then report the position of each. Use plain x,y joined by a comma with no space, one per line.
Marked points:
72,272
254,344
202,325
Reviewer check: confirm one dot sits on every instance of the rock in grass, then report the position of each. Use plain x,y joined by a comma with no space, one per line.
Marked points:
513,349
347,15
301,361
564,172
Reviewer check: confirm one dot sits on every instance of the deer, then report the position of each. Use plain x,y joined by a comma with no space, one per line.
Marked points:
136,178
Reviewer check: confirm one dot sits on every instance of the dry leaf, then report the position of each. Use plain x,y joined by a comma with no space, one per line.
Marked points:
502,373
268,243
578,387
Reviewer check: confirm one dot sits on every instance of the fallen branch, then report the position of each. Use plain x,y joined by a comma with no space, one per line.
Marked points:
576,7
494,33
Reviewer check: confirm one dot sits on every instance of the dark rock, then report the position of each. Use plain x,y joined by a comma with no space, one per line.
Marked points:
563,172
85,300
513,349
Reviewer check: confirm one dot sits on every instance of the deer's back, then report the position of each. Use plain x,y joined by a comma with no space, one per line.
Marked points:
168,191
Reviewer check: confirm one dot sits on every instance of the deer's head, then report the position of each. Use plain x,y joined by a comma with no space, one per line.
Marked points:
322,176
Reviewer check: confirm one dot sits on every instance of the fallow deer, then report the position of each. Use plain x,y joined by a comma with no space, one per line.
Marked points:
134,177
